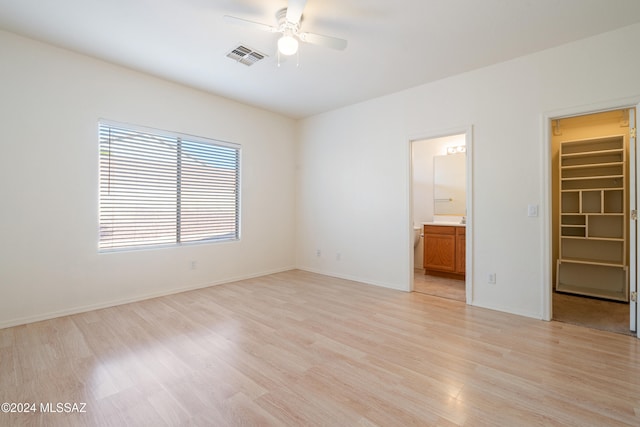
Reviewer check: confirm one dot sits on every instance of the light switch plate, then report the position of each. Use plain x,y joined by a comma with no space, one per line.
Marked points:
532,210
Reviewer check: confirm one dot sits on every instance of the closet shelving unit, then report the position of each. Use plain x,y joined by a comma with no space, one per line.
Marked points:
593,219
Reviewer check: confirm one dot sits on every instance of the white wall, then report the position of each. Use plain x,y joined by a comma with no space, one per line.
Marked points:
422,158
50,102
353,195
354,167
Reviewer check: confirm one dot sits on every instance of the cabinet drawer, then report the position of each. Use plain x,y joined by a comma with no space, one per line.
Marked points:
439,229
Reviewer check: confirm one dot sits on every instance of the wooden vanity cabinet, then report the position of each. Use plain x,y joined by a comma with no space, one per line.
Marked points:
444,251
461,250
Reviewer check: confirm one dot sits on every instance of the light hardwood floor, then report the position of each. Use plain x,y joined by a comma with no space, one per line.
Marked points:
298,348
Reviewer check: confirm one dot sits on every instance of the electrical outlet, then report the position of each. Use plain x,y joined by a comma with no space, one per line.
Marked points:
194,265
338,256
318,252
491,278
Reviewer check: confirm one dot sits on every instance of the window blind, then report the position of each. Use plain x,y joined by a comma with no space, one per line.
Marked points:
158,188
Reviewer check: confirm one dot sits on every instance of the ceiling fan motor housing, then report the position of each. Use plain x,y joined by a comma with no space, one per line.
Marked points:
284,25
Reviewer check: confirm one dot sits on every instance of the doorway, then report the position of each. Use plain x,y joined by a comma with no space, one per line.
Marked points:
441,196
590,207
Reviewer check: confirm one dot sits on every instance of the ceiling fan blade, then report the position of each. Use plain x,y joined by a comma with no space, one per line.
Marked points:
294,10
250,24
326,41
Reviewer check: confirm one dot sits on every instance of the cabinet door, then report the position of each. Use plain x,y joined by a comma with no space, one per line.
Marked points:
440,252
460,250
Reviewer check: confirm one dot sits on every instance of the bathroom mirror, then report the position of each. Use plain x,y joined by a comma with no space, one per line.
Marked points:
449,184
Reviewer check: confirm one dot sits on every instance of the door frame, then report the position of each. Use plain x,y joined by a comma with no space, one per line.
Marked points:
633,225
547,191
468,137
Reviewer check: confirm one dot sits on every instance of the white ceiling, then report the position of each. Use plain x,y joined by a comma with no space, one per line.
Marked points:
393,45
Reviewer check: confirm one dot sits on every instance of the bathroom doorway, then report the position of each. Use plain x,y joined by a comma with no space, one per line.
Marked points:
440,200
592,168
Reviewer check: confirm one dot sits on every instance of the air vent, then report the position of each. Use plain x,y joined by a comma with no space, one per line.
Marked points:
245,55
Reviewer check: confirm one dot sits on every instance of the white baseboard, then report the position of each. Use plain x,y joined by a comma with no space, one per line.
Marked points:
354,279
509,310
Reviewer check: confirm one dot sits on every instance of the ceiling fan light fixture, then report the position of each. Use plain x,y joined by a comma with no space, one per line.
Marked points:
288,26
287,45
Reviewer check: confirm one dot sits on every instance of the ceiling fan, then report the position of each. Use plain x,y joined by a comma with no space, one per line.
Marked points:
288,24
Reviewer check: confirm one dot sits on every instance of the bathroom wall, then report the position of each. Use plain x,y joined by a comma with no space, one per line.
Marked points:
422,153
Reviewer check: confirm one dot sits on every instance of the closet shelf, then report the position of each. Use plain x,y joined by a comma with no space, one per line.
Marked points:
593,153
591,165
591,261
606,239
584,178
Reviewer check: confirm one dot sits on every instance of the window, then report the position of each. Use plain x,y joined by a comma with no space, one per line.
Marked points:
161,188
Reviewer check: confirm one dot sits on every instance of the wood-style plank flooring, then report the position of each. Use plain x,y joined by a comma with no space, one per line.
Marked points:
298,348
